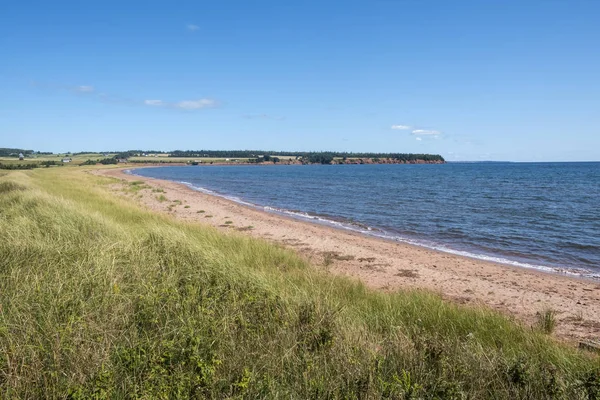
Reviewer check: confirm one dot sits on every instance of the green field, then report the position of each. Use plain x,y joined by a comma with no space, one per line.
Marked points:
100,298
35,159
81,158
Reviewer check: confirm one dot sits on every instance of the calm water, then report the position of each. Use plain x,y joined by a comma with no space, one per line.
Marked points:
538,215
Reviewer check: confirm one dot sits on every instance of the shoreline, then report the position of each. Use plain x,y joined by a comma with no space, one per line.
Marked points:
368,231
391,265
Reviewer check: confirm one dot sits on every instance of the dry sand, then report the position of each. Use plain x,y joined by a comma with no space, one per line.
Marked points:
389,265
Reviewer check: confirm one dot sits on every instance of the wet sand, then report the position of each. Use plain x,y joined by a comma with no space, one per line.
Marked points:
389,265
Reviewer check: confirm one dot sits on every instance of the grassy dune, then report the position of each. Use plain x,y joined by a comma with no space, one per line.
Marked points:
102,299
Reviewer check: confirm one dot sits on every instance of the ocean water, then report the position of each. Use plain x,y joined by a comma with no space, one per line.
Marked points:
534,215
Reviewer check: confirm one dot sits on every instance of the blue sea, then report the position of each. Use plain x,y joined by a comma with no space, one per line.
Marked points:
534,215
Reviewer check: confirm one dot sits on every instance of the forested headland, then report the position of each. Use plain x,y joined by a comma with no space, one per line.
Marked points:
13,158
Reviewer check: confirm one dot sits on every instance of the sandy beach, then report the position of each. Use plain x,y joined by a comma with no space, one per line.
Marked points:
387,265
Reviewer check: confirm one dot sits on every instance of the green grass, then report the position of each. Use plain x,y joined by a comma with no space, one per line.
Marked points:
547,321
36,159
135,186
100,298
162,198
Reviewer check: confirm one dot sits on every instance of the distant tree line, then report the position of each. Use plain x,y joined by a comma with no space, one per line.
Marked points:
323,157
31,165
18,166
104,161
264,158
131,153
318,158
7,152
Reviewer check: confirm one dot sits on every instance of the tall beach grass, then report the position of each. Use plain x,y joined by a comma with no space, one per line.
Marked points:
100,298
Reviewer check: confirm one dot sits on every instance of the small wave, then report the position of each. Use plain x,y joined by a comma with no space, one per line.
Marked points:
213,193
361,228
579,246
312,217
431,245
580,272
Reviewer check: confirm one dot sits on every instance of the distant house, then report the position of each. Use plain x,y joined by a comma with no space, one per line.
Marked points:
66,160
21,156
122,160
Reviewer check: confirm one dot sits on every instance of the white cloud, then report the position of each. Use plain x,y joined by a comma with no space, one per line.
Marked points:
401,127
84,89
263,116
419,139
192,27
195,104
425,132
90,92
156,103
183,105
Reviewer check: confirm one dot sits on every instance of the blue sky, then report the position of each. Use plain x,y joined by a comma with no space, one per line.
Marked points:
471,80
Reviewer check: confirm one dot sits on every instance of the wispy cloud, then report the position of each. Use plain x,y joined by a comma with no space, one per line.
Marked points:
426,132
87,90
84,89
90,92
196,104
188,105
192,27
420,133
155,103
263,116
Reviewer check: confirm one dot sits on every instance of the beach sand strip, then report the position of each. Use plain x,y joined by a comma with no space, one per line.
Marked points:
389,265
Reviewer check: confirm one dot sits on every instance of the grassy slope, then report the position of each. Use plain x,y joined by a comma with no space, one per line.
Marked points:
77,159
99,298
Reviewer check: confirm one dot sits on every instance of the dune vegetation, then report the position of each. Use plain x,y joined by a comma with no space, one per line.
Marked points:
100,298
